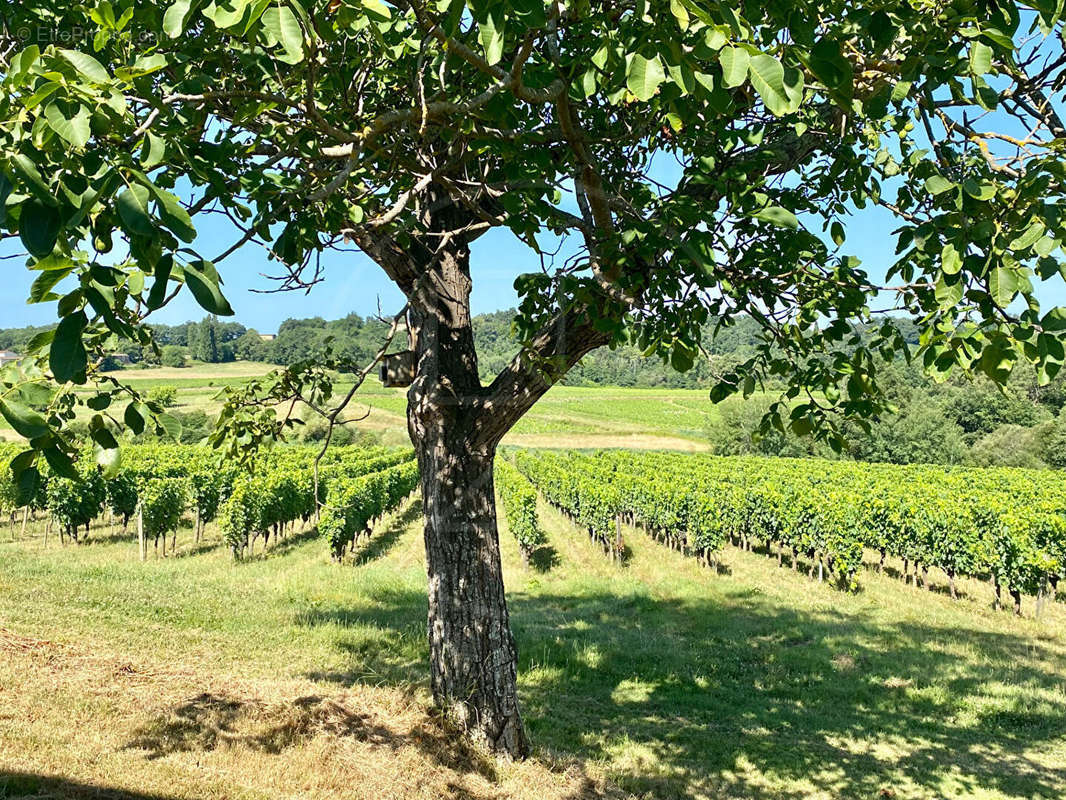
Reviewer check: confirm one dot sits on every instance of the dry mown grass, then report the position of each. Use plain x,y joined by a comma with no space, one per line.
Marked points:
77,721
290,676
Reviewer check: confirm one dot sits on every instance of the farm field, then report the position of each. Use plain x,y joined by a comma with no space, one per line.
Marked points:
291,676
589,417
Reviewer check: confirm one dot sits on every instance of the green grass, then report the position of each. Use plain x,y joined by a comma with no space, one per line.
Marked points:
660,677
589,417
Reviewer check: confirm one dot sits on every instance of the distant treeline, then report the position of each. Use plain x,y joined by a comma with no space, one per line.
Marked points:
959,421
213,341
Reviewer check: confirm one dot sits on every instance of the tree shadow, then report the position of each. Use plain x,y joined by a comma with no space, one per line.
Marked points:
753,698
544,559
27,784
209,721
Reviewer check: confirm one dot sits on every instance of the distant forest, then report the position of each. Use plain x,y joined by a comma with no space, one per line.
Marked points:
213,341
960,421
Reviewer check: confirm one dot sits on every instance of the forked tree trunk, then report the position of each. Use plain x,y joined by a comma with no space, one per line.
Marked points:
473,658
455,425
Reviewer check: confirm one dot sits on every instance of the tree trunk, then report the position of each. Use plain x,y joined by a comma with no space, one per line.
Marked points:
455,425
474,662
473,658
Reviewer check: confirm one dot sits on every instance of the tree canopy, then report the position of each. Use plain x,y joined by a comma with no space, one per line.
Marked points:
697,159
706,157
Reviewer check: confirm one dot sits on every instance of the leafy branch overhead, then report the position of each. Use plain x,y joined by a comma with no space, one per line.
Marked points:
701,161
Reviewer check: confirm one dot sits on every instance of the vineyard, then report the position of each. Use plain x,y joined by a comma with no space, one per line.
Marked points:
1004,525
158,484
652,671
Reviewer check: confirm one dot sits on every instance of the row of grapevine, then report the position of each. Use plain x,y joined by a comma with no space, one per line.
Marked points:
519,500
591,504
1003,525
158,483
355,503
281,490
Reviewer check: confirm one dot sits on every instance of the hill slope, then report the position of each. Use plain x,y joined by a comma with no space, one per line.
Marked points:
289,676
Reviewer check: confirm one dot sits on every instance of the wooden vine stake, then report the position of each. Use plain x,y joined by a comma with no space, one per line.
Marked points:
141,543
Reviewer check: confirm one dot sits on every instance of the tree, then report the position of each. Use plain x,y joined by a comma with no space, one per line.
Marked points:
173,356
251,347
687,160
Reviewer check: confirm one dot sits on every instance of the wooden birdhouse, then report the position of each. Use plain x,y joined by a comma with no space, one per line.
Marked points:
397,370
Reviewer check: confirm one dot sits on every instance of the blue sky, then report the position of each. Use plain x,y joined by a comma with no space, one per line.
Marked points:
353,283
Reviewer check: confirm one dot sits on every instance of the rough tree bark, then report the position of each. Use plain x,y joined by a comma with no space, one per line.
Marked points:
473,659
456,424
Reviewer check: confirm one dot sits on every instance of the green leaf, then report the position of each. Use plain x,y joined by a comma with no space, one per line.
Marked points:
132,207
831,68
60,463
284,28
174,20
173,215
85,64
26,422
41,289
67,357
159,288
950,260
202,280
134,418
28,481
109,459
980,58
644,76
1028,238
978,191
378,10
935,184
734,61
779,216
1045,246
35,183
146,65
780,93
680,14
948,295
75,128
227,13
39,227
6,188
836,232
1002,285
153,151
490,31
171,425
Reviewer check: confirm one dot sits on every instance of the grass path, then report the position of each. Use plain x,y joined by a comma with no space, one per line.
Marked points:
288,676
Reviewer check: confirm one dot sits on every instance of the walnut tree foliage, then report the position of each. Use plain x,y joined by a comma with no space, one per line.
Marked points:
700,161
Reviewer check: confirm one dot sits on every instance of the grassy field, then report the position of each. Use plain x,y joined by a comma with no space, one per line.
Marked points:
588,417
288,676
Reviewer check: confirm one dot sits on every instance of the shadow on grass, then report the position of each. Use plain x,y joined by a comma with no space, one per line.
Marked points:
26,784
544,559
209,721
382,541
756,699
281,547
